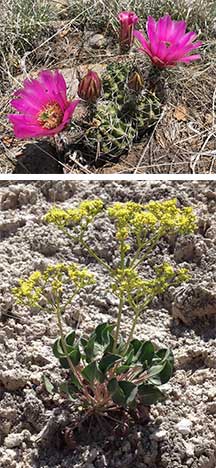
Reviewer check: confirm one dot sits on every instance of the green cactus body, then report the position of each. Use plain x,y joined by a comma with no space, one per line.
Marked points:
109,134
121,116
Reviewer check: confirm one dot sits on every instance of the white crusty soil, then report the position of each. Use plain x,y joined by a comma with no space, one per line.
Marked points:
181,432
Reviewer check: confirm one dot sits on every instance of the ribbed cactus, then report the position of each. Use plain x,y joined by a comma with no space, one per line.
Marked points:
121,115
142,111
109,134
115,81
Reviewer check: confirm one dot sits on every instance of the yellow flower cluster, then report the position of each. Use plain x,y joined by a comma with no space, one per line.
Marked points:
172,219
159,217
85,213
129,282
31,290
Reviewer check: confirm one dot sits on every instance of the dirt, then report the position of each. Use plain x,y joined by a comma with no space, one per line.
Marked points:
181,432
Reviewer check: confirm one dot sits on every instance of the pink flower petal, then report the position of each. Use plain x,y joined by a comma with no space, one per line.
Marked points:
163,27
34,90
25,105
177,31
142,40
151,28
168,43
187,38
189,58
24,128
70,110
55,87
162,51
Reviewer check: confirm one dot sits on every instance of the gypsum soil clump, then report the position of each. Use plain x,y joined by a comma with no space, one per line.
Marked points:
35,428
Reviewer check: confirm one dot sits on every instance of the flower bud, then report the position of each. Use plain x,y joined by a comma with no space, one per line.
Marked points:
89,88
136,81
127,20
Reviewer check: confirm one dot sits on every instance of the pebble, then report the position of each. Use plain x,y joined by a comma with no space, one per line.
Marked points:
189,449
184,426
211,393
211,408
159,435
16,439
97,41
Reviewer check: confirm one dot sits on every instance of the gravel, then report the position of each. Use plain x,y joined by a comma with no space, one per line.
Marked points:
181,432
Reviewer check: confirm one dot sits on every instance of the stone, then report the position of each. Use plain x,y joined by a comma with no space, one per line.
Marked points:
184,426
189,449
159,435
97,41
16,439
211,407
13,379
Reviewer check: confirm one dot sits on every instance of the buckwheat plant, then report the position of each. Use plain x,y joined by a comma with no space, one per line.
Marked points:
106,370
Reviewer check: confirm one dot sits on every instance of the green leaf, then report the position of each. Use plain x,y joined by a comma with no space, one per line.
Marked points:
75,381
64,363
70,337
109,348
116,392
155,370
48,385
164,358
122,369
88,347
166,373
70,390
73,351
57,348
136,344
130,391
155,380
108,361
150,394
91,372
103,333
163,355
122,392
120,346
75,356
129,357
146,353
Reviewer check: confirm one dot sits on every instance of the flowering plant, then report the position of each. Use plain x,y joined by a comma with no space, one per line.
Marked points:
121,104
168,43
106,369
127,21
43,106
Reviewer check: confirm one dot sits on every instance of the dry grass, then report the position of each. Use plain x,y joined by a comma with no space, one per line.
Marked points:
53,34
200,14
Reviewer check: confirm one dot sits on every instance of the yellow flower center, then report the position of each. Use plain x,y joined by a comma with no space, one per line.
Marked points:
50,116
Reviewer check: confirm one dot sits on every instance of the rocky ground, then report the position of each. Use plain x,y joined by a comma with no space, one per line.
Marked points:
181,432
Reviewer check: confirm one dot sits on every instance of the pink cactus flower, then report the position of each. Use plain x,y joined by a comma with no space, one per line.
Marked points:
43,106
168,42
90,87
127,20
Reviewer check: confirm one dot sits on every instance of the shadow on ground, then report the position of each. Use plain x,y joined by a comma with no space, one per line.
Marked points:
38,158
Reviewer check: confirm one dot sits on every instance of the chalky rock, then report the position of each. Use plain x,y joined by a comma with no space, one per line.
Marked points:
194,302
184,426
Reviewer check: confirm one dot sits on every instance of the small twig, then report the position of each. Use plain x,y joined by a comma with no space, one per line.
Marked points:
195,159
